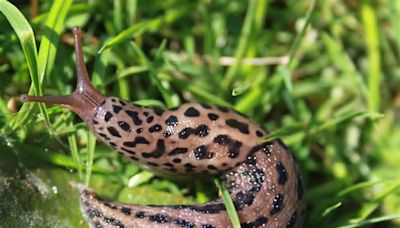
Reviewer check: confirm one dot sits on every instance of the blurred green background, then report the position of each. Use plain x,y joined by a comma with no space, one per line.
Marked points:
322,75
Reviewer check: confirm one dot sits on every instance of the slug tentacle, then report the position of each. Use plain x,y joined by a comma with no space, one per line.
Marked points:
85,99
193,139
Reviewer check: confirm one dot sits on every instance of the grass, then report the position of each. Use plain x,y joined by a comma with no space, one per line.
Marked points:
321,75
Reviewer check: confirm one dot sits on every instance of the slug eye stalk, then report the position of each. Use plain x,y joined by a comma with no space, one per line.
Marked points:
85,97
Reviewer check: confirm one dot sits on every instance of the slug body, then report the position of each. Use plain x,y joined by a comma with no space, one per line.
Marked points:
262,178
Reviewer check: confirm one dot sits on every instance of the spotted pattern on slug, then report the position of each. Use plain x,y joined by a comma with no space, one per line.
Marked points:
251,185
261,177
193,139
184,134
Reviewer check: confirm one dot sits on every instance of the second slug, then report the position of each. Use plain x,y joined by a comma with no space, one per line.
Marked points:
193,139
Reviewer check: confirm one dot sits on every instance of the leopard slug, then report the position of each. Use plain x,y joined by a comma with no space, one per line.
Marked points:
193,139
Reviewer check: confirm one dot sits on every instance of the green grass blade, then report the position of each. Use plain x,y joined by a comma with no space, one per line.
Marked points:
165,93
75,153
297,41
150,103
230,207
242,45
140,178
373,220
374,59
51,36
27,40
26,37
331,208
36,63
127,34
90,148
359,186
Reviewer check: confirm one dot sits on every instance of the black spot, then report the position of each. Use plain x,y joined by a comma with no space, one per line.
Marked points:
172,121
168,164
126,210
139,130
243,199
158,152
242,127
160,218
222,139
95,122
183,223
211,208
233,153
102,103
192,112
145,113
211,167
140,214
134,116
277,204
114,222
206,106
150,119
178,150
207,226
112,144
124,126
113,132
234,149
134,158
282,178
202,130
176,160
116,108
127,150
213,116
266,148
108,116
158,111
201,153
123,103
185,133
104,136
129,144
299,188
113,100
152,164
141,140
168,133
112,206
155,128
259,133
91,213
292,220
189,167
259,222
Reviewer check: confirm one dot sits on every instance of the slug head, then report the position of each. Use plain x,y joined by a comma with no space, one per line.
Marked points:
85,99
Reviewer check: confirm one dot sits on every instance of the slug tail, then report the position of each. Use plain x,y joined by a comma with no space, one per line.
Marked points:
260,199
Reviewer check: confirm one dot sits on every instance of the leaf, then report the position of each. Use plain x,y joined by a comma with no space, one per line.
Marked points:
331,208
36,64
373,220
129,33
140,178
230,207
